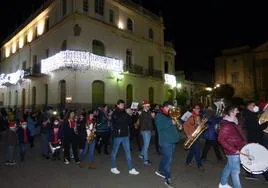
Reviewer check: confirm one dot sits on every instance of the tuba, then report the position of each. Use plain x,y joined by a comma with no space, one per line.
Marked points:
263,118
198,131
91,133
175,114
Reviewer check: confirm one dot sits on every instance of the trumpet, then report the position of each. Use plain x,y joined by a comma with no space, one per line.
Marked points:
175,114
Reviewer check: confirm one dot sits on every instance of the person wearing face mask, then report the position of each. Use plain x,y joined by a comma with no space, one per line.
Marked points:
252,128
55,139
146,126
10,140
232,139
23,135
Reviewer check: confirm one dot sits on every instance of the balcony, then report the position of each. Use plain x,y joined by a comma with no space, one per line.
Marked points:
154,73
134,69
34,71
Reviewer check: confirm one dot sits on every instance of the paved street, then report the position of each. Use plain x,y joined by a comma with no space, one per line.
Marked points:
42,173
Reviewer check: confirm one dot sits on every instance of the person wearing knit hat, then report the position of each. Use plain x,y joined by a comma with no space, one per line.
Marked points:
146,126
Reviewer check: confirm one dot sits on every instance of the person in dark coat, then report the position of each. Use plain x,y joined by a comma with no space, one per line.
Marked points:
55,139
210,135
10,141
23,137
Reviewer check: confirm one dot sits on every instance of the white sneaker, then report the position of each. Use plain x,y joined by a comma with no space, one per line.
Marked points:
115,171
66,161
133,171
224,186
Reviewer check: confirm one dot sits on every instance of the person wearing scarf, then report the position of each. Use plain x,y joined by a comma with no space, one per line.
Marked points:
189,127
70,138
23,135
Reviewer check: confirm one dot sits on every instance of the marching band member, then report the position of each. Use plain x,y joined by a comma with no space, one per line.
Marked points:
232,140
89,144
189,127
168,137
55,139
146,126
120,131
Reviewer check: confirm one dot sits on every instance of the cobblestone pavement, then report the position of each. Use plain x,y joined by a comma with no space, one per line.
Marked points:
42,173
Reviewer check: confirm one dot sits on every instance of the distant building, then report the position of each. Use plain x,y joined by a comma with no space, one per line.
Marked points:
245,69
85,53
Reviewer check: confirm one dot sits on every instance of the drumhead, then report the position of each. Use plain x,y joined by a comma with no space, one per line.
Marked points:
258,162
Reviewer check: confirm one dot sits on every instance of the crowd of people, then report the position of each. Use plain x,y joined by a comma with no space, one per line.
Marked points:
78,133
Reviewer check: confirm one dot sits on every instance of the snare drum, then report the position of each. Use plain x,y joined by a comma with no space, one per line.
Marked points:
257,160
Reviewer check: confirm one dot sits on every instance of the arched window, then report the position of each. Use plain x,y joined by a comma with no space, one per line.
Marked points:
23,98
62,87
129,95
99,7
3,99
151,95
64,7
129,25
85,6
33,97
46,94
64,45
98,48
151,33
9,98
97,93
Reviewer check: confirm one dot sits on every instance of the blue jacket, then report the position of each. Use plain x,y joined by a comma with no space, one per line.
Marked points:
167,132
31,124
210,133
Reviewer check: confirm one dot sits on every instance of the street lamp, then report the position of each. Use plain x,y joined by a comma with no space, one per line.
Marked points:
179,85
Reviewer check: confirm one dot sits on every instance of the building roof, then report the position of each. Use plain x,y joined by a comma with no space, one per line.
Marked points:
234,51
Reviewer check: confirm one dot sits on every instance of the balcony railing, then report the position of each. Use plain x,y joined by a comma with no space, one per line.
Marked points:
154,73
34,71
134,69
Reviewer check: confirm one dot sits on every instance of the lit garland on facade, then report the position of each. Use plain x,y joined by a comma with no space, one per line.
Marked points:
79,60
12,78
170,80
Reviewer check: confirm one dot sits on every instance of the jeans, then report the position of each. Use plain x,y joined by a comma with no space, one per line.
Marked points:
89,148
45,147
146,135
22,151
194,151
167,151
10,150
116,144
231,168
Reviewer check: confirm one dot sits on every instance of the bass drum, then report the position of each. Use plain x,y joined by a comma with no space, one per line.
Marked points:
257,162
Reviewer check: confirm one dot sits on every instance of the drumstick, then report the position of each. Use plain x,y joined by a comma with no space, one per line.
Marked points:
250,157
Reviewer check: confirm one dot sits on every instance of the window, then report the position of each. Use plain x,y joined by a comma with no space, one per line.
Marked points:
64,45
129,25
16,98
166,67
34,59
151,95
234,77
150,65
62,92
47,24
151,33
129,96
97,93
24,65
111,16
64,7
128,58
85,6
77,30
46,94
9,98
99,7
47,52
98,48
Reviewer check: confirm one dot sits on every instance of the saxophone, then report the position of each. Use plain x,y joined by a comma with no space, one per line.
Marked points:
91,133
198,131
175,113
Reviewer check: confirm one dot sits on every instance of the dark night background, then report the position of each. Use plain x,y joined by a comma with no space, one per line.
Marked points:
198,29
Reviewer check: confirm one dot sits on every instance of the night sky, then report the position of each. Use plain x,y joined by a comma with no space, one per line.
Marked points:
198,29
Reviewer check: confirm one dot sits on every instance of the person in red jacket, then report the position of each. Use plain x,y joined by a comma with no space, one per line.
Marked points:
232,139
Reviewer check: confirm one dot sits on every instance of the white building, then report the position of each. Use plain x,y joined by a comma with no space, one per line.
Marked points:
55,50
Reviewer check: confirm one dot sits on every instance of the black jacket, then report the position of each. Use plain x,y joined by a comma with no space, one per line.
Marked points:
146,121
121,122
252,127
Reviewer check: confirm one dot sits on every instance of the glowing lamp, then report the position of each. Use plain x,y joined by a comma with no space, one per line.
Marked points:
40,28
14,47
30,36
21,42
120,25
7,52
208,89
179,85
